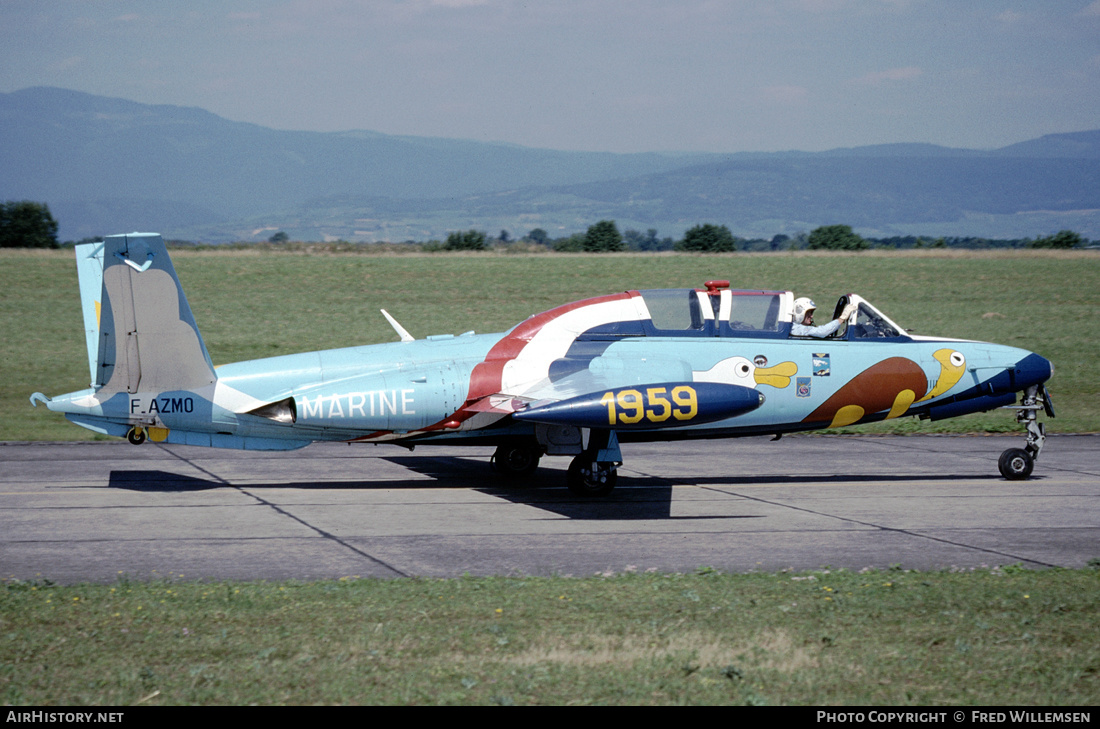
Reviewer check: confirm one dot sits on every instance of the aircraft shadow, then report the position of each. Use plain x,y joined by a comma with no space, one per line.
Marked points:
635,497
642,498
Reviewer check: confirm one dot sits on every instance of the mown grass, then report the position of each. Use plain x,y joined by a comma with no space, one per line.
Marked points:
252,303
989,637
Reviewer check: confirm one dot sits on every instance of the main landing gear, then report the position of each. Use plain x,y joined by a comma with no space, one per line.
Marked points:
593,472
590,477
136,435
515,461
1016,464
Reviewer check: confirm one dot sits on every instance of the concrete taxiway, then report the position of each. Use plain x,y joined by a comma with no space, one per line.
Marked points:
96,511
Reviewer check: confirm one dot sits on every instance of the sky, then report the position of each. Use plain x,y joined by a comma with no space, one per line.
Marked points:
594,75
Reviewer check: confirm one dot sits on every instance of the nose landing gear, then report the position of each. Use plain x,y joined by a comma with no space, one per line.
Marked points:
1016,464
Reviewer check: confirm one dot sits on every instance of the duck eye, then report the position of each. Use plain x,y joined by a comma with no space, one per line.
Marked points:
957,359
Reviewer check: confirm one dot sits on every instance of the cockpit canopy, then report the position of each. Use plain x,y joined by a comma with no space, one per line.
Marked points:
720,311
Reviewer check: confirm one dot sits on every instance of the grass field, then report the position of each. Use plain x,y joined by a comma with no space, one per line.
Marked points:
1002,637
251,304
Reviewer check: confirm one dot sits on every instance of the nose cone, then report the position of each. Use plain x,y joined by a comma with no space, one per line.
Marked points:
1032,370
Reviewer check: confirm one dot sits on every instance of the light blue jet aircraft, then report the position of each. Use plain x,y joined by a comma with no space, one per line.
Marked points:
577,380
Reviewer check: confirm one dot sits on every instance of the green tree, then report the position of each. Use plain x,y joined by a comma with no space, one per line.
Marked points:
471,240
836,238
1063,239
708,238
279,237
633,239
27,224
538,235
602,237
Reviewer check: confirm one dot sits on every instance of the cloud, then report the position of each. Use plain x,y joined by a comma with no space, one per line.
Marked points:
784,94
1092,9
892,75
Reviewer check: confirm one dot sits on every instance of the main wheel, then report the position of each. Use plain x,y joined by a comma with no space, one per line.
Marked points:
136,435
591,478
1016,464
515,461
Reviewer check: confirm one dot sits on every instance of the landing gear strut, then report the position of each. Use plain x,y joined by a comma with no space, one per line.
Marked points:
1016,464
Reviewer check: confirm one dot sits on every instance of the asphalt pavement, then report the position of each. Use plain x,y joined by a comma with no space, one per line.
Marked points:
77,512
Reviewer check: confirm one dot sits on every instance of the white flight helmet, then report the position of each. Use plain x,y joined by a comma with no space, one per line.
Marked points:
801,306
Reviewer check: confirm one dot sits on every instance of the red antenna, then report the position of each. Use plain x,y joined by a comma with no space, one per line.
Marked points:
715,287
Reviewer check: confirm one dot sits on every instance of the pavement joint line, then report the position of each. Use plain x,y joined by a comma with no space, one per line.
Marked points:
280,510
880,527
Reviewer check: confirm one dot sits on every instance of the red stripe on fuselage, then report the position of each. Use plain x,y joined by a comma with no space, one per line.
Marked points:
487,376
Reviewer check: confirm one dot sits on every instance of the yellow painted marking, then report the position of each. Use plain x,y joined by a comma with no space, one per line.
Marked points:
777,376
950,373
846,416
157,435
901,403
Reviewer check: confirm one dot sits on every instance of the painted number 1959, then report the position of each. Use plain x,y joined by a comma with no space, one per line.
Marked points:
656,406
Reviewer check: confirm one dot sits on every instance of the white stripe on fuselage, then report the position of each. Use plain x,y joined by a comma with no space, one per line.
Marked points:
553,340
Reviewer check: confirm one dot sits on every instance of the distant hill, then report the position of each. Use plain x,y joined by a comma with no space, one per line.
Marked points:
109,165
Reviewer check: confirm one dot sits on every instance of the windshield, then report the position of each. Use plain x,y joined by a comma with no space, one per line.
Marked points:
872,325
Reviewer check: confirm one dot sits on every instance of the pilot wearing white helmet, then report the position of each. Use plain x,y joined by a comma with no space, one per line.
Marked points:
804,319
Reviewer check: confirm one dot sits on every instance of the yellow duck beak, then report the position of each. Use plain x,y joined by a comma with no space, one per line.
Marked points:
776,376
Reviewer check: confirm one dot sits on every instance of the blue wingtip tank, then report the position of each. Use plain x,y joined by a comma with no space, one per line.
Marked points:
663,405
660,364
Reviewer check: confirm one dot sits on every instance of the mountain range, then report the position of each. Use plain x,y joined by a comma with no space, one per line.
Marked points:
108,165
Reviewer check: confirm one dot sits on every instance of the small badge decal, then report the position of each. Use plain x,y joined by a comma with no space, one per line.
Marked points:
760,360
802,386
821,364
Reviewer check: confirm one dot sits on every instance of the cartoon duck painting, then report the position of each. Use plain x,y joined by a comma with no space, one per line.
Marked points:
740,371
893,385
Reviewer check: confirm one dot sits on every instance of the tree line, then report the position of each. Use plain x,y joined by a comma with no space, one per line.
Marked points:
604,237
28,224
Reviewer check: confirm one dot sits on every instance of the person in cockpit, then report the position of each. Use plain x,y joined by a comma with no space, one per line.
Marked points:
804,319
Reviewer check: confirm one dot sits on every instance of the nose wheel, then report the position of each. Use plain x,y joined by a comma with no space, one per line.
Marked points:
1016,464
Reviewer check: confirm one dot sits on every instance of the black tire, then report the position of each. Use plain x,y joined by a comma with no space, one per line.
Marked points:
515,461
589,478
1016,464
136,435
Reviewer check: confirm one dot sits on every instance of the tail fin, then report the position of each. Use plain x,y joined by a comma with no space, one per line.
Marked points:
140,332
